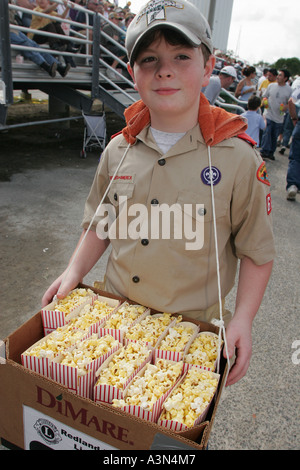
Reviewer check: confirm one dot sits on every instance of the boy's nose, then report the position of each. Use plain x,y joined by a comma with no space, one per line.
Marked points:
164,70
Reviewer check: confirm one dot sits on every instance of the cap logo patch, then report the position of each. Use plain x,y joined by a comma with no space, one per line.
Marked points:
156,10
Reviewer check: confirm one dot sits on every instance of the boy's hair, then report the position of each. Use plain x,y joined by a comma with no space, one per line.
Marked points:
171,37
254,103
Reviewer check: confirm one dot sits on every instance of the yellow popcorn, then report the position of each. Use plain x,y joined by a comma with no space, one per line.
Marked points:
123,364
147,388
72,300
125,316
56,342
203,351
87,351
91,314
177,338
150,328
190,399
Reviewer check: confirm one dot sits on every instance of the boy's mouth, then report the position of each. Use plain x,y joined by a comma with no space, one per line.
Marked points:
166,91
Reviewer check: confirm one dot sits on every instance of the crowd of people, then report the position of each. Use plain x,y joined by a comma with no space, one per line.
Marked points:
272,105
121,17
269,101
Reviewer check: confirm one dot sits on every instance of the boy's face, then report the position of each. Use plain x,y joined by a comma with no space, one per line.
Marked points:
169,79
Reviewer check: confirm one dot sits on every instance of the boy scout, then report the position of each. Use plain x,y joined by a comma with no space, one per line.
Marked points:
178,151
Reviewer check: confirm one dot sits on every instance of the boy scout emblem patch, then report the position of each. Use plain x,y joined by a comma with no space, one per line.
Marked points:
206,177
262,174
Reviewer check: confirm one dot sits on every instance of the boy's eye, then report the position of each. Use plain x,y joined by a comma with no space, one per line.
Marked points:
183,57
148,59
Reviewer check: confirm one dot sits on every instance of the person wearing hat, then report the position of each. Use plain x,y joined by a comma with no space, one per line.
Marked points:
179,156
216,82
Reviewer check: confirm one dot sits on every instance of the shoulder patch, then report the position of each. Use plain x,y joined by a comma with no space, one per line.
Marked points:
262,174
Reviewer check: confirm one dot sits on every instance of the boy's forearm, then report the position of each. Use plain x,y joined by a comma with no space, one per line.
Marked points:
253,280
88,252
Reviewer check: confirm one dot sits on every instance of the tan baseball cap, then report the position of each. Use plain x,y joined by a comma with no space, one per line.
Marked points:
181,16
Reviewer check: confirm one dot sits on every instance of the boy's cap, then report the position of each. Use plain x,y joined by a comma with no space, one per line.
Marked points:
229,70
182,16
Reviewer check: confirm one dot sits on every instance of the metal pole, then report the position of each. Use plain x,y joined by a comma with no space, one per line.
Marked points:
211,14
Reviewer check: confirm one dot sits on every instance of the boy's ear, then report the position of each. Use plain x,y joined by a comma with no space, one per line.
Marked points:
130,71
209,67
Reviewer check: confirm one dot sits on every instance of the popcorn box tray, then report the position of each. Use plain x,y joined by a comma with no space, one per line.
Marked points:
176,425
187,365
138,411
175,355
119,334
53,318
22,390
69,377
106,393
42,365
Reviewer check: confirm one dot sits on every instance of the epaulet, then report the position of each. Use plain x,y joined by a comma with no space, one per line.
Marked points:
247,138
115,135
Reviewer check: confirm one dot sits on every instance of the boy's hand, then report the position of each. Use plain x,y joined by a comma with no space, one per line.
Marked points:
60,290
239,341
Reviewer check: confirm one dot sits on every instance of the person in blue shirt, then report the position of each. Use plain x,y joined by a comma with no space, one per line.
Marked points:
256,121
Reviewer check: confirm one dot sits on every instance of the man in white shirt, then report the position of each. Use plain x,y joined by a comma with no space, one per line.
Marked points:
278,95
217,82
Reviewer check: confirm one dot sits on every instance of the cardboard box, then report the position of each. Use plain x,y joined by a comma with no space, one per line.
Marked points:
36,412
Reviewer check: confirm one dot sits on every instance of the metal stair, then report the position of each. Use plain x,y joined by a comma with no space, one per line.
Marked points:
80,88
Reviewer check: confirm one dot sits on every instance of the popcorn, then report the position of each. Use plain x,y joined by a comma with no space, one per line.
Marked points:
60,339
91,314
191,398
146,389
123,364
125,316
150,328
72,300
87,351
203,350
178,337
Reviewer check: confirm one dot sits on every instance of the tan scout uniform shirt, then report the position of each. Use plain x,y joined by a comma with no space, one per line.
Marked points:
161,273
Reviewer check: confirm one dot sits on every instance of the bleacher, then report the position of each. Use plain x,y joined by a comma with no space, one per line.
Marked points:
82,85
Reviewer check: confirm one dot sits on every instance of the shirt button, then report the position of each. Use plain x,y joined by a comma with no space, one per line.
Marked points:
145,241
202,211
154,202
162,162
136,279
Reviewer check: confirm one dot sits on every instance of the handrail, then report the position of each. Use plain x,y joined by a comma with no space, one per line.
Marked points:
240,103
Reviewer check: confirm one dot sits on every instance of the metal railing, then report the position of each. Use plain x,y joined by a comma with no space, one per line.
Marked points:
88,38
92,58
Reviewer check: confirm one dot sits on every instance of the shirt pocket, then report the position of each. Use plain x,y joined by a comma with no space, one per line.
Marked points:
194,222
120,192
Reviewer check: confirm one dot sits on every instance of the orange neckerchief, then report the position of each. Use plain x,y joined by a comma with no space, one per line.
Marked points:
215,123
